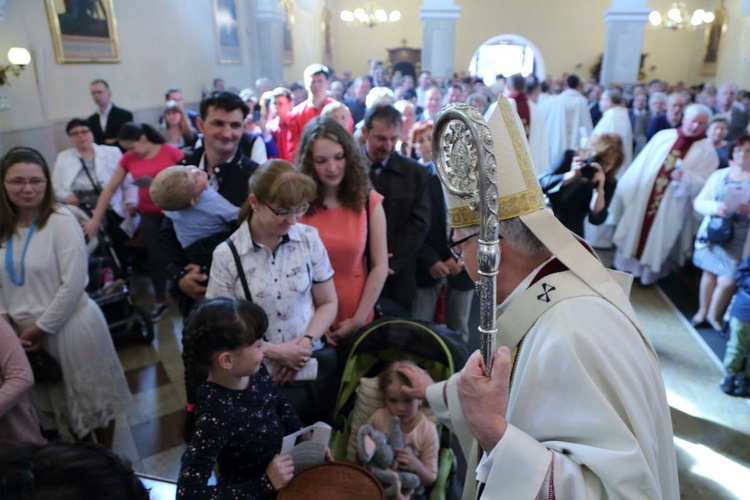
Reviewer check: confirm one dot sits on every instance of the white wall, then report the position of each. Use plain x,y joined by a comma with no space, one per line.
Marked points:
162,43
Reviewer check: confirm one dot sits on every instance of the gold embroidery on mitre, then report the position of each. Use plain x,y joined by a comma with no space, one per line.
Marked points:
463,216
530,199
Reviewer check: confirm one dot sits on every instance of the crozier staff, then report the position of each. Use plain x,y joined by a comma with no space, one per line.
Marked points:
578,397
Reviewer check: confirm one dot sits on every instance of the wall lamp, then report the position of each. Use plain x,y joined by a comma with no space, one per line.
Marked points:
18,57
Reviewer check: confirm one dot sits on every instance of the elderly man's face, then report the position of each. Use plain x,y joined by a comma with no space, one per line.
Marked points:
726,96
433,101
675,106
694,126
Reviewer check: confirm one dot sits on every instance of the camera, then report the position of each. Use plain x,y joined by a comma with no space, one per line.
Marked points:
588,170
256,113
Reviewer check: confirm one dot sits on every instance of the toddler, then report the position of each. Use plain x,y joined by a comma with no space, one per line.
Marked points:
735,382
201,217
421,442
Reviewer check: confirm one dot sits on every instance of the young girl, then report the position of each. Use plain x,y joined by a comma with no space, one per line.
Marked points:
421,443
241,418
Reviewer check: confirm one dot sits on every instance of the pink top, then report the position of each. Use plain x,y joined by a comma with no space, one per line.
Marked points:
139,167
423,439
344,234
18,419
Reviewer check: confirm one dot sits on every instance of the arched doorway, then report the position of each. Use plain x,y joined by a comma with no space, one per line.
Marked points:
507,54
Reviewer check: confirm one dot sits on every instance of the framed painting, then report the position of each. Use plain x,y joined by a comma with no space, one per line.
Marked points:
227,32
713,41
288,41
326,26
83,30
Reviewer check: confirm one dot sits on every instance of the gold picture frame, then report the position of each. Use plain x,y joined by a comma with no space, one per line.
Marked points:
83,33
227,32
713,41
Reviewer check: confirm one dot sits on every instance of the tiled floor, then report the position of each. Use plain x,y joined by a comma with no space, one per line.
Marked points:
712,430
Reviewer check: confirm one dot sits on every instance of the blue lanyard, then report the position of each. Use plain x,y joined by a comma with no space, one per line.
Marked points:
9,257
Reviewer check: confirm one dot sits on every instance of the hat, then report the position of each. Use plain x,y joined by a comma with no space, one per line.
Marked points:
502,146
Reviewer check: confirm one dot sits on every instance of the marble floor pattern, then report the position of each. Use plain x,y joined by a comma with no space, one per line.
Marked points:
712,430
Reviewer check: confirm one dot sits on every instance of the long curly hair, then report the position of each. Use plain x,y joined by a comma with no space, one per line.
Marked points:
220,324
355,186
8,211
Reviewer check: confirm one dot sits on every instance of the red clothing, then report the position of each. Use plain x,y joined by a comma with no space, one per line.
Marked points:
301,114
139,167
282,136
344,234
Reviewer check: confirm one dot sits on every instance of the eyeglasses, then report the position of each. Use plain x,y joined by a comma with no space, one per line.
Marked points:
286,213
19,183
456,253
77,133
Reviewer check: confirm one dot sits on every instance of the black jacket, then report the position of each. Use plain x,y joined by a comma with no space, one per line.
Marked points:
571,203
435,246
403,184
116,119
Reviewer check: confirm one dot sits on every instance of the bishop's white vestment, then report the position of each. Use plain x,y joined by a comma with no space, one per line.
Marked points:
587,411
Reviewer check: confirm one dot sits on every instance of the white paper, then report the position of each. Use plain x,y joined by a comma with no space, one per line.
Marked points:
736,194
307,446
129,224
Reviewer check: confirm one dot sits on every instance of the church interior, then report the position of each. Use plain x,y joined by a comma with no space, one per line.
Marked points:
152,46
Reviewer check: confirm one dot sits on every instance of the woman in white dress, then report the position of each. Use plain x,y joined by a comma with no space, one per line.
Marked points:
43,275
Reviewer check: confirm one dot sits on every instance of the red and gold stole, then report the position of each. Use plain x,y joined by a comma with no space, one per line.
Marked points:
678,151
522,107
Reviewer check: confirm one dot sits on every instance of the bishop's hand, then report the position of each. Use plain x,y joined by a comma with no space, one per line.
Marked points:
484,400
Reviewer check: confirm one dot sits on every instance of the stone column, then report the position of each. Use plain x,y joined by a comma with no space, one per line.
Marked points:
439,37
744,75
626,21
269,39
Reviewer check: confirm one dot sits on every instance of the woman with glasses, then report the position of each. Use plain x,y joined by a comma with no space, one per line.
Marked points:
80,174
283,267
349,216
724,198
43,275
146,155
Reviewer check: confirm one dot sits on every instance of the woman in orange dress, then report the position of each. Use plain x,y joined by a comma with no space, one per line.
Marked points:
356,246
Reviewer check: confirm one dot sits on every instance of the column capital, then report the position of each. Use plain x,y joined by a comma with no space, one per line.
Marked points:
439,9
623,11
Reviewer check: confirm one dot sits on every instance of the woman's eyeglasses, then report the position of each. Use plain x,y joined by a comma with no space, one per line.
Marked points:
288,212
19,183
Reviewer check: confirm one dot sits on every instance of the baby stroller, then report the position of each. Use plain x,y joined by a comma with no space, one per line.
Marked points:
438,350
109,287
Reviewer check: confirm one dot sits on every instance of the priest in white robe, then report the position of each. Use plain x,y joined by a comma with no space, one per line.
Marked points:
574,405
653,204
615,120
568,119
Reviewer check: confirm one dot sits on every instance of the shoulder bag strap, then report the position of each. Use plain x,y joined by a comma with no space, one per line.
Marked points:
94,183
240,270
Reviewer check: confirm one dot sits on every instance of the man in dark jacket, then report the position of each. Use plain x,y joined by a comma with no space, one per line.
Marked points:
221,117
403,184
106,123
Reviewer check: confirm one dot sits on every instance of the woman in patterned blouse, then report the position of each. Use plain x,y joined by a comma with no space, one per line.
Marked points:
240,417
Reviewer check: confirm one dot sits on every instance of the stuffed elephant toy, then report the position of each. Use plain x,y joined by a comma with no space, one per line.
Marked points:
380,460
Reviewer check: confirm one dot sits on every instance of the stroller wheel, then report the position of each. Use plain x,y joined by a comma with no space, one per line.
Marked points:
142,325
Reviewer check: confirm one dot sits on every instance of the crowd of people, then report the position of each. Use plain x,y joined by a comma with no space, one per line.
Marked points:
284,219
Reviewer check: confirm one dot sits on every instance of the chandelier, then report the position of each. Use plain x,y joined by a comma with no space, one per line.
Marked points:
678,17
370,15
